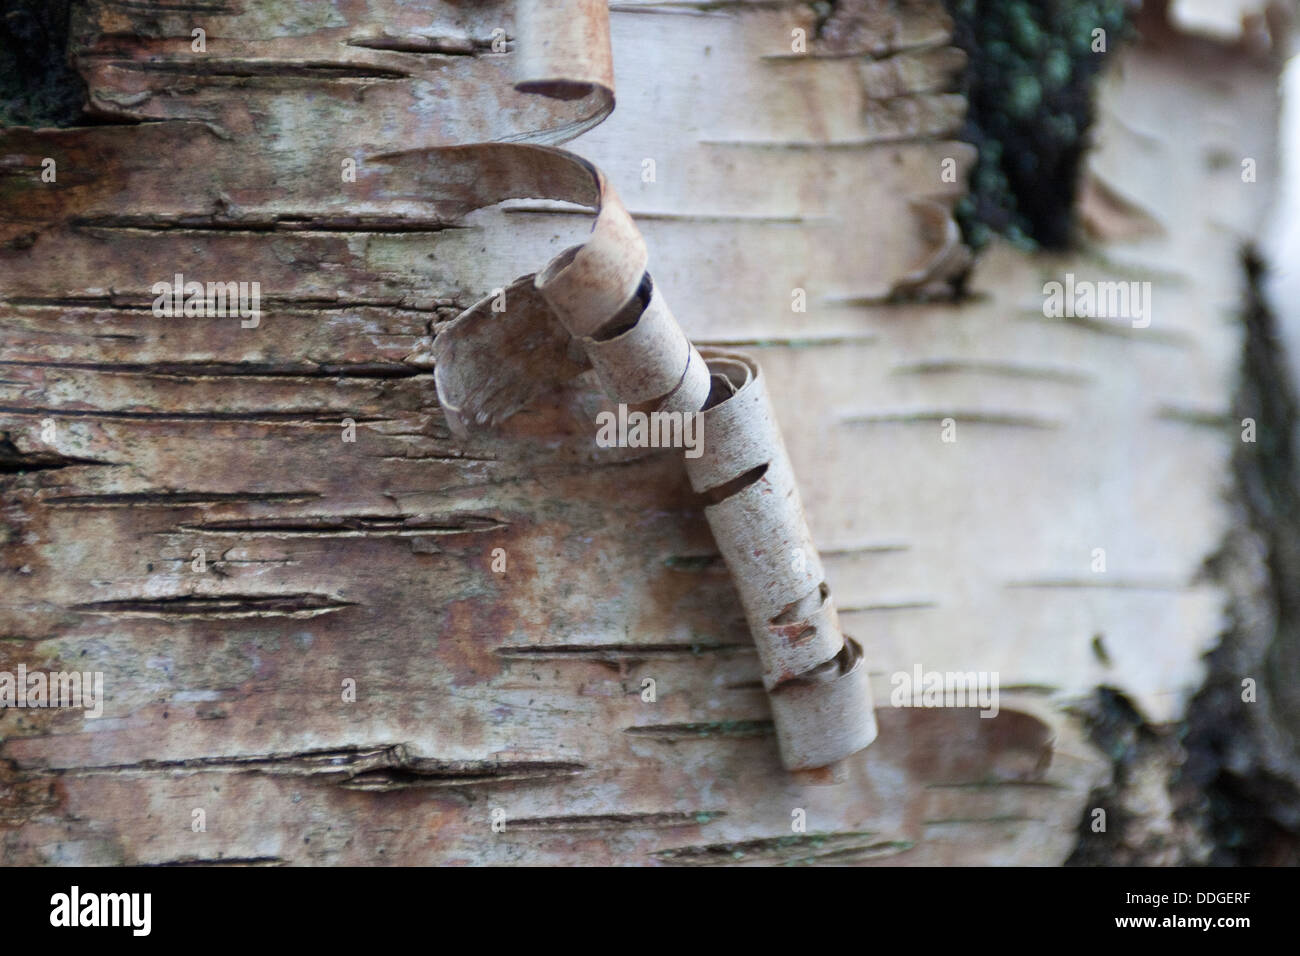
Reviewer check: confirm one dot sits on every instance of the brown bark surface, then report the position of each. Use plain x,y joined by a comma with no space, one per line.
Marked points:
371,560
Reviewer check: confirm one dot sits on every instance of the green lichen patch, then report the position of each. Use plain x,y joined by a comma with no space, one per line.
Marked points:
1028,82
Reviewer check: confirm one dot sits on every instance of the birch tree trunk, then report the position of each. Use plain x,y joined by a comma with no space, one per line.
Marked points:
345,636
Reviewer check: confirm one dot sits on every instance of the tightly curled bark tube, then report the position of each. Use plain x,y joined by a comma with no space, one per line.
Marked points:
821,699
825,715
595,306
650,360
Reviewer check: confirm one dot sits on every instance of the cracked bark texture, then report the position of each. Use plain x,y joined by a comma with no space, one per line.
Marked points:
372,560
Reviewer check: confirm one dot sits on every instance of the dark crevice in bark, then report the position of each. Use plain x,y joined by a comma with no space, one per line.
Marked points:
1115,829
1227,777
714,728
616,653
618,821
123,303
793,848
327,526
219,606
282,70
378,768
15,461
223,861
1244,755
359,370
286,222
438,45
419,773
346,761
38,86
257,416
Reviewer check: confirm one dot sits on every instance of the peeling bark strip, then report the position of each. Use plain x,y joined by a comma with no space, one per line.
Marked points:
599,296
784,176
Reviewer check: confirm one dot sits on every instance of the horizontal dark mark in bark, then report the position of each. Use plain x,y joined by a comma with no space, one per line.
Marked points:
419,436
1003,419
700,729
1044,689
694,562
414,43
151,7
255,224
615,652
176,499
80,302
197,68
992,784
903,294
20,173
889,606
256,417
857,853
15,461
422,773
377,769
969,821
97,336
639,215
616,821
144,303
791,847
869,56
882,548
224,561
223,606
998,369
449,458
222,861
1196,416
1101,580
350,526
897,298
922,138
788,342
347,761
712,8
1151,336
365,370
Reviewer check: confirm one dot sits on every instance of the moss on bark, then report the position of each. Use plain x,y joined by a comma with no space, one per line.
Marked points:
38,87
1029,82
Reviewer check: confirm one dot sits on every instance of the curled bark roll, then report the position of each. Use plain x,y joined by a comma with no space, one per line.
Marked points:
584,311
823,716
566,56
595,306
816,682
650,360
